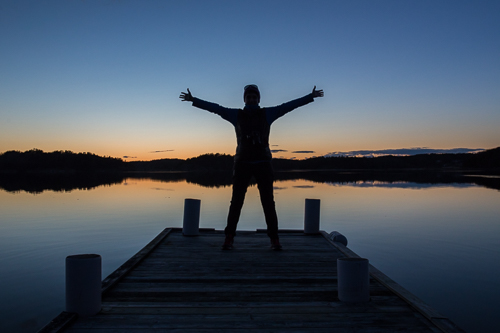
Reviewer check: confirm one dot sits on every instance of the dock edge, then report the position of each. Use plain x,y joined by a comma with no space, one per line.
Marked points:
441,322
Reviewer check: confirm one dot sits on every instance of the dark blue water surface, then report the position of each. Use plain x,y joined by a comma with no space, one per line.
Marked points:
439,241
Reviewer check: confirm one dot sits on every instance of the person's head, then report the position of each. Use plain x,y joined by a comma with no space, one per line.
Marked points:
251,95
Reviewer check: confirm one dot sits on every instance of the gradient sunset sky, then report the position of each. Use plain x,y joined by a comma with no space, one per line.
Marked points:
105,76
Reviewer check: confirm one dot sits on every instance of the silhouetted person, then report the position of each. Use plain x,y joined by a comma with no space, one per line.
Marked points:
253,156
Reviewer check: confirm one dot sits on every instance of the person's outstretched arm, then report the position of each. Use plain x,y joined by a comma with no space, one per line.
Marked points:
226,113
275,112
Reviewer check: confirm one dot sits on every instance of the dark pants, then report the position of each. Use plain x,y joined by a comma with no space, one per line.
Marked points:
263,173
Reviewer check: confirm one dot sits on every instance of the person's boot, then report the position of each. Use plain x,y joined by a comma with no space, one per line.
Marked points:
228,242
275,244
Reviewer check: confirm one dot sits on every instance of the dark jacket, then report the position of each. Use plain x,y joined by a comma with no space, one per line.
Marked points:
252,125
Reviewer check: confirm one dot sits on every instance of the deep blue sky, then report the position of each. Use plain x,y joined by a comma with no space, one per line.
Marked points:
105,76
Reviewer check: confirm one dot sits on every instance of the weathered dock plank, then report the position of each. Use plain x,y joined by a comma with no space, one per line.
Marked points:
188,284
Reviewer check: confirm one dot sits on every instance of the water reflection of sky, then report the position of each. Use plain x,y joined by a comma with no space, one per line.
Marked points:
437,241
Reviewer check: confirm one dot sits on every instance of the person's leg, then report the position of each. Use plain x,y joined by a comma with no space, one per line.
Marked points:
241,178
264,177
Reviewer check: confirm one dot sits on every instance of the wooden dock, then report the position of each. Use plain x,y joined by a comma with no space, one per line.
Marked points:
188,284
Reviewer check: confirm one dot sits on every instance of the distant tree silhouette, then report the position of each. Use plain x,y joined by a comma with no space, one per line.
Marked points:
205,162
38,160
485,159
211,162
35,171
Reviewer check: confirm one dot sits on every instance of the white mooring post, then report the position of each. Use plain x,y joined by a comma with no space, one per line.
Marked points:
83,284
311,216
353,280
191,223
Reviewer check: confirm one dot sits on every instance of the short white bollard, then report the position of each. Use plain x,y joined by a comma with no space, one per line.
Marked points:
83,284
353,280
311,216
191,223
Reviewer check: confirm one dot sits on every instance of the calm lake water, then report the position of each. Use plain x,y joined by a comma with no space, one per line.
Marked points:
439,241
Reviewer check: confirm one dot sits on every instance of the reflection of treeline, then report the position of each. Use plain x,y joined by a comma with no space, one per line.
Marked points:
203,178
39,182
37,160
60,182
397,176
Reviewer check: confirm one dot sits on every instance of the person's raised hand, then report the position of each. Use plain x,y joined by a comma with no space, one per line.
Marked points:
186,97
317,93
